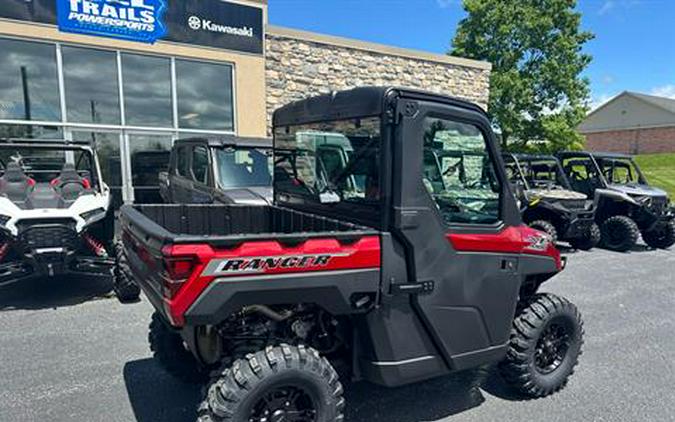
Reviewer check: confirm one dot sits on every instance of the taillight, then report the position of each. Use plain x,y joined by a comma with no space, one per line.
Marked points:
177,270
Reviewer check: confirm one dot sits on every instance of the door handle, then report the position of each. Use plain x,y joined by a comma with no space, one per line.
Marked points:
419,287
509,265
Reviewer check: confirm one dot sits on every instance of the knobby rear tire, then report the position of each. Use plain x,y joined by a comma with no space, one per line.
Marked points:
126,290
234,394
589,241
546,227
169,350
619,233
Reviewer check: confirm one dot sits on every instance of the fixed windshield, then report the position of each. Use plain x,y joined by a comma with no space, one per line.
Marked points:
243,167
620,171
45,164
329,162
542,173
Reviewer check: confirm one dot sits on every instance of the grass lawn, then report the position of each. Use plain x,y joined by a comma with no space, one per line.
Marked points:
659,170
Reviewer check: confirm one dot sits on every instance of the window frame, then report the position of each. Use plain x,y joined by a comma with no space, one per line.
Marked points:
495,166
56,50
175,129
207,171
460,114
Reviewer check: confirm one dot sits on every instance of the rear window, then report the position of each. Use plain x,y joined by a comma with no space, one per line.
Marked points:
334,165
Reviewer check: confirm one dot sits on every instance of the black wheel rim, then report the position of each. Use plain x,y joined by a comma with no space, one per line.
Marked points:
284,404
616,235
552,347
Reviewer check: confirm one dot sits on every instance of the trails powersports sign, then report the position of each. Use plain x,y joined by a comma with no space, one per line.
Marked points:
135,20
212,23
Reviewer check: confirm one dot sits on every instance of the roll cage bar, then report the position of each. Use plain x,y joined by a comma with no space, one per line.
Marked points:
518,158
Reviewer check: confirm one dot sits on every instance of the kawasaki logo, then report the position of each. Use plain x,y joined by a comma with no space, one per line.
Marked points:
264,263
196,23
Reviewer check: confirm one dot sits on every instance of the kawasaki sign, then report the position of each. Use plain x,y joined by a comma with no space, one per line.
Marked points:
212,23
135,20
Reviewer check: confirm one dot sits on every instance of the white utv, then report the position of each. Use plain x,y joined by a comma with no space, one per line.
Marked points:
55,211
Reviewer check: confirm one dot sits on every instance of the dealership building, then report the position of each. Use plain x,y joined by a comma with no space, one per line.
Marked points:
135,75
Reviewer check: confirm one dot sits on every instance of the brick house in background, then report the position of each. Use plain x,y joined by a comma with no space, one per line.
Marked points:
631,123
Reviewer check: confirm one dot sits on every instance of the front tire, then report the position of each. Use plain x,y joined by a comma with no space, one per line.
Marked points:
545,346
285,383
546,227
619,233
588,242
125,288
169,351
662,237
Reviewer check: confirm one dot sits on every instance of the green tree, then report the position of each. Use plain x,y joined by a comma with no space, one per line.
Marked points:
535,46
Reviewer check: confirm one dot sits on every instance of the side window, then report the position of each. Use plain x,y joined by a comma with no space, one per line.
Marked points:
200,164
459,172
182,162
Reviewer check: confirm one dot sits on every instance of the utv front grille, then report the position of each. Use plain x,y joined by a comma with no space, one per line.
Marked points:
658,204
52,235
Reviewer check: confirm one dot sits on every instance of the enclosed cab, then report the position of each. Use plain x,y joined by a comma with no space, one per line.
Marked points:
225,170
548,202
357,265
626,205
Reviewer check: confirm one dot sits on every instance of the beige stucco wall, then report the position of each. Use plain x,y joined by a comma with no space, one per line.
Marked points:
301,64
626,112
249,70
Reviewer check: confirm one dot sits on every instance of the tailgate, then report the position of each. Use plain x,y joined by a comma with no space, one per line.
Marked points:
143,240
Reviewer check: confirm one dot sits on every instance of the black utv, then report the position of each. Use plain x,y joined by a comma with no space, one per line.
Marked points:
625,203
548,202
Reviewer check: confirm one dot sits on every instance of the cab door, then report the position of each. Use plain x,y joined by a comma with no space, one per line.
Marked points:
454,223
201,175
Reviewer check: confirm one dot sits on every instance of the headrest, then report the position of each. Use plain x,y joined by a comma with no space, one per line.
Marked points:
69,174
14,173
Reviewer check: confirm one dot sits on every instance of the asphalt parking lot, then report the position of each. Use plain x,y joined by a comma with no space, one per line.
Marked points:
70,352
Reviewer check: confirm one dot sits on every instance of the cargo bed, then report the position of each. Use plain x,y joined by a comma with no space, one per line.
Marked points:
230,225
155,236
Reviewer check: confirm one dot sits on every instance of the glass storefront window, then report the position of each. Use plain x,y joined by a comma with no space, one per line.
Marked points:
204,93
32,105
149,156
147,90
29,88
92,94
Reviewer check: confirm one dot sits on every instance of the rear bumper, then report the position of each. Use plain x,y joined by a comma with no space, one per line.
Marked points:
53,263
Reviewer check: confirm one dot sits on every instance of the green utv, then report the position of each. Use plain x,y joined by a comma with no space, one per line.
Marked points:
548,202
626,205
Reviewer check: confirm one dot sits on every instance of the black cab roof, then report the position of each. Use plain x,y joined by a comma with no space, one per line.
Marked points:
354,103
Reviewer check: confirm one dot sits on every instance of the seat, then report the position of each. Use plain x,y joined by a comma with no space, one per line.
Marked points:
69,183
14,184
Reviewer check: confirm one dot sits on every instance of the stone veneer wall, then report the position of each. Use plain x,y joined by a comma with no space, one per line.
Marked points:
301,64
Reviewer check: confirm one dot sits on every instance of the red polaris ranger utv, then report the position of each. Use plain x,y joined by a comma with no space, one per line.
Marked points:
378,256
